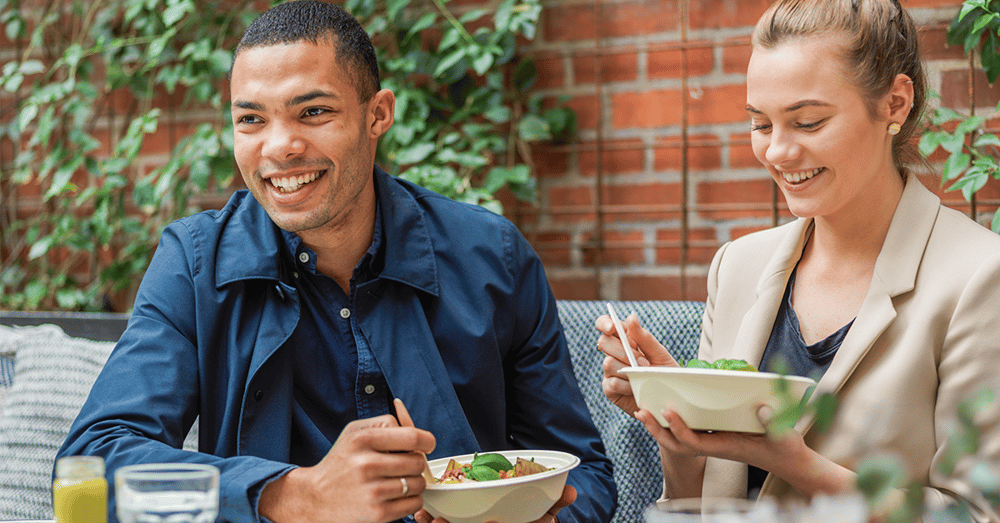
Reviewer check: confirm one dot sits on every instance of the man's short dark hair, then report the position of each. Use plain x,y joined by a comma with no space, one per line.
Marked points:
312,21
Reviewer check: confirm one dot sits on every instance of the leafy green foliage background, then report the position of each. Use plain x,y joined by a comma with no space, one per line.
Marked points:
972,152
91,76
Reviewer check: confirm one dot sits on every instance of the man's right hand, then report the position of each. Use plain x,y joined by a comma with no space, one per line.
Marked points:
358,480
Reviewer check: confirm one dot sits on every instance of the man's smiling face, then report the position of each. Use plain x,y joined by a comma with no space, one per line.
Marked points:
303,140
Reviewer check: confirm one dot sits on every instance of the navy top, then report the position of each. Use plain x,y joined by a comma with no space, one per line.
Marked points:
335,375
787,353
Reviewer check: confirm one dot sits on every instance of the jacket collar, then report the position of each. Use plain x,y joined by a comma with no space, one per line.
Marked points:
895,274
253,247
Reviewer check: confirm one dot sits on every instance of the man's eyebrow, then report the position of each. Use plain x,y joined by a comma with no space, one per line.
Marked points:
249,106
307,97
292,102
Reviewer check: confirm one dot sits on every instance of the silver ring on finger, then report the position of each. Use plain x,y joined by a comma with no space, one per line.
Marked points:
406,486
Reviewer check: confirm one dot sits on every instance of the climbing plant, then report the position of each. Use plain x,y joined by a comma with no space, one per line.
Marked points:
94,82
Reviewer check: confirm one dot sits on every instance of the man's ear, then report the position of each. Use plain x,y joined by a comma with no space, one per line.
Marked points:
381,112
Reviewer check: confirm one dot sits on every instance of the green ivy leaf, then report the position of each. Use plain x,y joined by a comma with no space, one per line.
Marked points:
473,15
40,247
115,165
498,113
415,154
968,125
929,142
982,21
14,28
73,55
985,140
176,11
463,159
493,206
220,60
201,173
393,7
69,298
449,61
422,23
526,192
28,113
990,57
524,75
483,63
452,37
533,128
13,82
29,67
35,292
562,122
953,142
503,15
944,115
954,166
62,179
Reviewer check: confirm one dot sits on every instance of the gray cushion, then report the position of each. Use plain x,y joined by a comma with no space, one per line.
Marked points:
53,374
677,324
52,377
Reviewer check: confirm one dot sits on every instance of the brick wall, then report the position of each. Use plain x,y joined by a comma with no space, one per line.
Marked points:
662,172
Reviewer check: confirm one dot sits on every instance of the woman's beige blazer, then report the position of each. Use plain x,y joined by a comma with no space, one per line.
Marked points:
926,337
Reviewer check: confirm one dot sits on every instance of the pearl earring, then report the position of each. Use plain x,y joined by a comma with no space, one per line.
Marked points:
894,128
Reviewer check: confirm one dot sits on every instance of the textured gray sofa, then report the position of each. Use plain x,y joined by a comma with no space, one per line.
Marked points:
49,361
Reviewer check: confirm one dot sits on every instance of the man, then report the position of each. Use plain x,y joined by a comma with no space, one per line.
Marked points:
288,321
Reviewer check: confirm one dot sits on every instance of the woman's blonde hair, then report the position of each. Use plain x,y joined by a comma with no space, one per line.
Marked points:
881,42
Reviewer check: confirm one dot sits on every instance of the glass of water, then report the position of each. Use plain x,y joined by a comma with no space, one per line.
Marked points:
167,493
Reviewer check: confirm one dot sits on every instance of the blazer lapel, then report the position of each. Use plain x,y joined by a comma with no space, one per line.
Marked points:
758,322
895,274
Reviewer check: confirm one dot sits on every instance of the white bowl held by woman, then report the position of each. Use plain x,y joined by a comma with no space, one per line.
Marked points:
513,500
712,399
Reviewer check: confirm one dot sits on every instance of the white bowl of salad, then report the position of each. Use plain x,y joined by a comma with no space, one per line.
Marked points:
475,488
723,395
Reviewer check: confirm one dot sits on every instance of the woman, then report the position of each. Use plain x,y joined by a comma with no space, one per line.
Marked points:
888,296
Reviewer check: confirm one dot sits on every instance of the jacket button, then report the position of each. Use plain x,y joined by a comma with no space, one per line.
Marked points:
259,395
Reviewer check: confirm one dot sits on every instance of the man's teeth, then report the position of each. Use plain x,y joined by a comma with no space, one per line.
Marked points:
292,183
801,176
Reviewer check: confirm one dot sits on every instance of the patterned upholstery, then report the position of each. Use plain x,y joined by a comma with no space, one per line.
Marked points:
677,324
52,376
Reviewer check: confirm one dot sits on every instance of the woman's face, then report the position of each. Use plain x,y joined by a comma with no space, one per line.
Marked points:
811,128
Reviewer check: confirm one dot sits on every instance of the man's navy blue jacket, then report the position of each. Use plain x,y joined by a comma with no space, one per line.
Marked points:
461,320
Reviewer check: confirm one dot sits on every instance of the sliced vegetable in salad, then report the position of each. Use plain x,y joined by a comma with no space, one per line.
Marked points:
489,467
